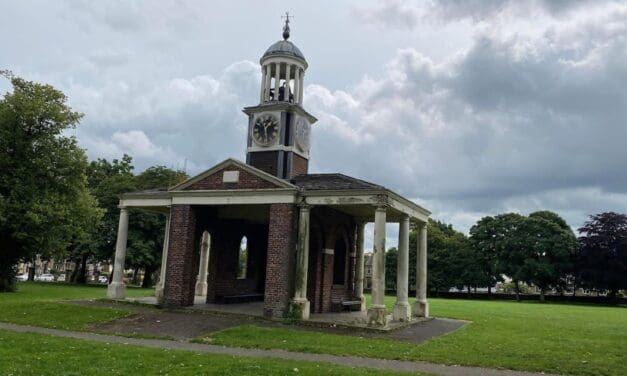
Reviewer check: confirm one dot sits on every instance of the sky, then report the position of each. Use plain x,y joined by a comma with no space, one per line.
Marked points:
469,108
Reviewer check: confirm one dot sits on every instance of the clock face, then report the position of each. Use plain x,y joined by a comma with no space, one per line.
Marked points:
266,129
302,134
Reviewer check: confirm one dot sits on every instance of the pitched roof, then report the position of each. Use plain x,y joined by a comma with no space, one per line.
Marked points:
280,183
315,182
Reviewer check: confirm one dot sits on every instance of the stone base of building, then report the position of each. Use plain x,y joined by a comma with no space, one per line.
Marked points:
116,290
201,288
421,308
299,309
401,312
377,316
363,304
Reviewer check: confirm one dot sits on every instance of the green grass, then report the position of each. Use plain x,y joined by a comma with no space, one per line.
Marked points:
37,354
40,304
557,338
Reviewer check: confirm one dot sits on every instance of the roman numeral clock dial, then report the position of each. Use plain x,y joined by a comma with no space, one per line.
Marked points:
265,129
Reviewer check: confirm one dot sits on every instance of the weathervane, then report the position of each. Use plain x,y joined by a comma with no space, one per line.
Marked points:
286,28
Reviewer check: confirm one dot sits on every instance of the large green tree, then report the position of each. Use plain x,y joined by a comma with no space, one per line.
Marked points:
603,247
549,252
44,203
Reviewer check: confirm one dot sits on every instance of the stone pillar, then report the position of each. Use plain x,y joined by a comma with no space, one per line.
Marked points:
262,89
421,307
359,268
277,80
402,310
376,313
267,82
297,85
287,82
201,280
117,288
164,261
300,87
300,304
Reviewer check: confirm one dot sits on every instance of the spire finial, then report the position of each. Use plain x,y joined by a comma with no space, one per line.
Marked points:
286,28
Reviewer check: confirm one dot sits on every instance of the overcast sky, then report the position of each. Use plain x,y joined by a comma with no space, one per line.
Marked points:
470,108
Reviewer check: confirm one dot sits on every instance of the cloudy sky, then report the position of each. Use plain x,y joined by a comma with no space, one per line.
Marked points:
470,108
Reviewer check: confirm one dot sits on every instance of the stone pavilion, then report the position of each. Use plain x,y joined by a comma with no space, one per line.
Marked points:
267,230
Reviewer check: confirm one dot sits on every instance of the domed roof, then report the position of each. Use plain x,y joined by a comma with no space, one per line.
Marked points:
284,48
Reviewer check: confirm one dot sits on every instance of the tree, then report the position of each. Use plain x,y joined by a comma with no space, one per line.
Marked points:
566,266
42,176
603,247
496,239
485,240
549,252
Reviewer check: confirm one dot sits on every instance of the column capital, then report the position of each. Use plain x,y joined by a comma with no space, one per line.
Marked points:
304,206
381,202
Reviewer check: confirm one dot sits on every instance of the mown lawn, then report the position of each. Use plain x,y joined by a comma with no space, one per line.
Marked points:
37,354
557,338
40,304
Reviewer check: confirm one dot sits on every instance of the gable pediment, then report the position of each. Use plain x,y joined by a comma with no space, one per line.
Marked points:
232,174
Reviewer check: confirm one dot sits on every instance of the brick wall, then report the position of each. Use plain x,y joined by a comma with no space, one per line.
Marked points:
280,259
182,265
265,161
246,181
299,165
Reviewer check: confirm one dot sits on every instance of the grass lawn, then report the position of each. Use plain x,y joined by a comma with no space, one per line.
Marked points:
557,338
37,354
39,304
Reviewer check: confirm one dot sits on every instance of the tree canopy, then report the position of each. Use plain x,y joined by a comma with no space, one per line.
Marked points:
44,202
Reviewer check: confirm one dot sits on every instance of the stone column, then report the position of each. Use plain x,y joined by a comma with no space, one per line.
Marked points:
277,80
164,261
300,304
359,267
286,95
297,85
263,84
421,307
267,82
300,87
402,310
117,288
376,313
201,280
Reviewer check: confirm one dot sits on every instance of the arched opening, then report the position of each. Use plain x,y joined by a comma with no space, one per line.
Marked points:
242,259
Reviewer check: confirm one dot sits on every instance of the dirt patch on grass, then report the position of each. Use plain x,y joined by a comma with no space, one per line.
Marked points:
147,321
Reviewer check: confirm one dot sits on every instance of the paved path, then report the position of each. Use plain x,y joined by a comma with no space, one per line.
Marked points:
351,361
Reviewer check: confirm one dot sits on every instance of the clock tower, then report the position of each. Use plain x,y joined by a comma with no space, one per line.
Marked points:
279,128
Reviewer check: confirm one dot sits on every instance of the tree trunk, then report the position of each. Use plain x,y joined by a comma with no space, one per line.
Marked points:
489,290
74,278
469,292
148,271
81,276
517,289
542,294
136,276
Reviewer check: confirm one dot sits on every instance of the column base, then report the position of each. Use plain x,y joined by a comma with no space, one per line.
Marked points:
421,308
377,316
116,290
363,303
299,309
159,291
201,288
402,312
